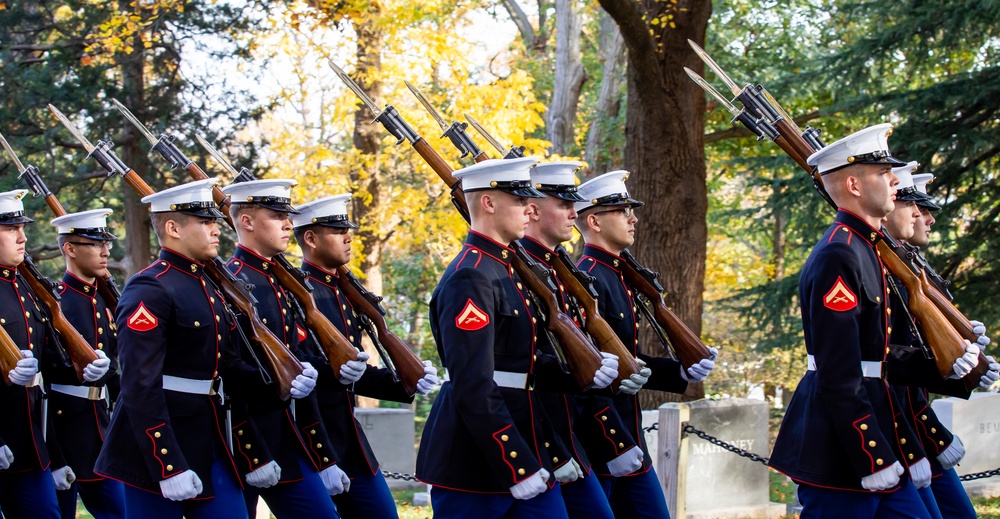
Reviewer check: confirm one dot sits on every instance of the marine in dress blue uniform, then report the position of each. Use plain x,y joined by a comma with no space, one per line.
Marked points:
296,436
607,221
838,439
322,229
167,438
482,449
552,223
78,414
26,484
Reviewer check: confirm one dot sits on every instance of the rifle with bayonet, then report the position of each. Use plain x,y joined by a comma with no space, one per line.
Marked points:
455,132
669,328
283,365
945,327
515,152
106,285
10,354
583,359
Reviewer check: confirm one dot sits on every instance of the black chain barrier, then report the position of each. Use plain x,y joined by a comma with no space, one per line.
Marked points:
690,429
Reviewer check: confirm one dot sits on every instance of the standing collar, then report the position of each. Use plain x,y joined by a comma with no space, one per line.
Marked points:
502,253
181,262
612,260
78,284
539,251
8,273
320,273
859,226
253,260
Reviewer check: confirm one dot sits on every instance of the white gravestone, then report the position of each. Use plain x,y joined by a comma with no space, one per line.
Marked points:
977,422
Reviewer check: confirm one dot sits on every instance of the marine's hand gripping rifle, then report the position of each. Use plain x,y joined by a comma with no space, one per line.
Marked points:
583,359
944,325
283,365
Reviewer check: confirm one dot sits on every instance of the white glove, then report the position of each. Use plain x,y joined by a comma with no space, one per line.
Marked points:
352,370
569,472
186,485
335,480
967,362
97,369
627,463
698,372
430,379
920,473
304,383
608,371
952,455
6,457
26,369
979,329
265,476
63,478
637,380
531,487
883,479
991,376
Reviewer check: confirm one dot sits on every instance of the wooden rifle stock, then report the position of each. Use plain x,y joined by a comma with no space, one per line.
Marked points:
9,354
604,337
581,356
686,344
408,367
80,352
337,348
284,366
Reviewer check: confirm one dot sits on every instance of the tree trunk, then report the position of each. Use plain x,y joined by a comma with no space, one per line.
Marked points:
665,152
569,78
598,153
778,239
138,253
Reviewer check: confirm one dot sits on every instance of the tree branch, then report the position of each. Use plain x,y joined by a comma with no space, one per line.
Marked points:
521,21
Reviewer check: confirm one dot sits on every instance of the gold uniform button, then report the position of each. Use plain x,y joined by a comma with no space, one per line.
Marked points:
216,318
100,345
197,324
621,314
871,443
546,445
170,468
255,461
312,431
902,441
604,418
513,454
59,411
325,459
923,417
156,434
520,472
933,430
218,337
319,445
27,314
247,446
910,456
504,438
100,329
864,427
612,431
239,432
879,462
941,443
163,451
555,459
516,312
621,445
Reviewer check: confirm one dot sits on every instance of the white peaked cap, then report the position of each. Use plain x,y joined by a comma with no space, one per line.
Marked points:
606,190
272,193
868,146
509,175
12,209
330,211
557,179
905,174
921,180
89,224
185,196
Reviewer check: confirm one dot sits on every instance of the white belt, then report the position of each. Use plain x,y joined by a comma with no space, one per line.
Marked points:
87,392
506,379
869,368
188,385
35,381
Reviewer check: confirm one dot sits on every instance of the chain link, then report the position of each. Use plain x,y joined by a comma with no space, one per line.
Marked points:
688,428
399,475
980,475
654,427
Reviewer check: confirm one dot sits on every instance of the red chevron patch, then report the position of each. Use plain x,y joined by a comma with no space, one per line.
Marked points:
840,298
471,318
142,320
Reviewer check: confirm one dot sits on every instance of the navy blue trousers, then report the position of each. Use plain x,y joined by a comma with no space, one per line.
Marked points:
585,499
930,502
227,503
368,498
28,495
636,496
951,498
454,504
306,497
904,503
104,499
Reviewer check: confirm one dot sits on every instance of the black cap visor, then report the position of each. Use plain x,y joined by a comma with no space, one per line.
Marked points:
615,200
14,218
274,203
521,188
95,233
199,209
875,157
338,221
562,192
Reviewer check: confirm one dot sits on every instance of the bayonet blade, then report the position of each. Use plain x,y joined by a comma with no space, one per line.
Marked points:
72,129
355,88
715,68
135,122
712,91
427,105
486,135
13,156
217,156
